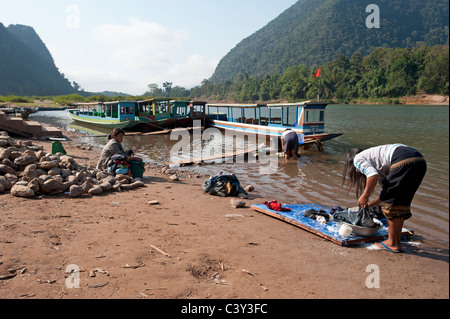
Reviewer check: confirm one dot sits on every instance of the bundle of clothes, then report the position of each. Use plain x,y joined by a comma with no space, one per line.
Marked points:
358,216
119,165
224,185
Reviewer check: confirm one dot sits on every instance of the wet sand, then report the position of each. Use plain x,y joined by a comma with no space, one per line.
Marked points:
191,246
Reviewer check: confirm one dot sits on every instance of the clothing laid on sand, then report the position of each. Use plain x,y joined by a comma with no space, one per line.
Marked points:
401,170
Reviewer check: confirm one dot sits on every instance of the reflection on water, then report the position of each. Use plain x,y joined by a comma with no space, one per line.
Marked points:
316,177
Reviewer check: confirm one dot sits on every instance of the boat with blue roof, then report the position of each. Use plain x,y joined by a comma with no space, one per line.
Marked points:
105,114
307,119
146,115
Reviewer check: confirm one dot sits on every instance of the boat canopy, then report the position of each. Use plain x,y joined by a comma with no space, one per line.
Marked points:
122,110
299,104
197,108
187,108
154,107
247,106
180,108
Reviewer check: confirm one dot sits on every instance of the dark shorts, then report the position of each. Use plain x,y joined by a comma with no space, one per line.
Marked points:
291,143
408,168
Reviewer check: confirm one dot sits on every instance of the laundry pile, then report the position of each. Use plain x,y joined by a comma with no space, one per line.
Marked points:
224,185
358,216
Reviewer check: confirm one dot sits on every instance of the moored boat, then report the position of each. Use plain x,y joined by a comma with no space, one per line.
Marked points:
105,114
307,119
197,110
154,114
180,110
185,111
146,115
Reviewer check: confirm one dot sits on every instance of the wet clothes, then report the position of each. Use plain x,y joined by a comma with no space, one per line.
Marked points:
313,214
361,216
290,141
274,205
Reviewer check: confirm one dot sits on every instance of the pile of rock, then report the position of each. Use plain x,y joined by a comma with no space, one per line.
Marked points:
27,171
173,173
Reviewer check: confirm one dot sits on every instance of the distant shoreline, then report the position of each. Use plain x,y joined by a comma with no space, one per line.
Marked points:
420,99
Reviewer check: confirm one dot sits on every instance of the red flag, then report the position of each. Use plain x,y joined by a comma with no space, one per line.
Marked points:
317,74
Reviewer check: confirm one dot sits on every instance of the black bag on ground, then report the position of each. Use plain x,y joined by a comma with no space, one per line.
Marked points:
363,216
223,185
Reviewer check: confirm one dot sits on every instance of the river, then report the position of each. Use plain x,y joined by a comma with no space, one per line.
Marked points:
317,177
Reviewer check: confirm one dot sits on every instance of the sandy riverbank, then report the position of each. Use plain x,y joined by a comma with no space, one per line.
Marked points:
424,99
190,246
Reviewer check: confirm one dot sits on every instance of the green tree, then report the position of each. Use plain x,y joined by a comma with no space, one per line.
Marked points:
294,81
167,88
154,90
402,73
435,76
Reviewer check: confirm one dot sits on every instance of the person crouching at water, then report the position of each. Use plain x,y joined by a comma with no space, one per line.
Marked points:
289,142
399,169
114,147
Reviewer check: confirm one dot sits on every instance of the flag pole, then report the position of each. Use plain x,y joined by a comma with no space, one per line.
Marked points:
316,75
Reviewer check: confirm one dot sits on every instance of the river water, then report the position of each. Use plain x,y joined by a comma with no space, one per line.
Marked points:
317,177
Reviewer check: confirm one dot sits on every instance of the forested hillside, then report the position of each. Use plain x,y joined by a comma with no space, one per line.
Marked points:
26,66
385,75
313,32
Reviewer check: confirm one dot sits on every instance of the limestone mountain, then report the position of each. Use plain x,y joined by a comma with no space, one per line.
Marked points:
313,32
26,66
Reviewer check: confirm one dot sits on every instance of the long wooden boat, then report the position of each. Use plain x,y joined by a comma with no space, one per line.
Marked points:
166,113
154,114
146,115
307,119
105,114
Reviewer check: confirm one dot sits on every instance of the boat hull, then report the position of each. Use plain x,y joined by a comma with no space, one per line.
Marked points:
149,124
98,121
143,122
270,132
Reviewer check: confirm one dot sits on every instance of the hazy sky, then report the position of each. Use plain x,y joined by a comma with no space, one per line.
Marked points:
123,46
